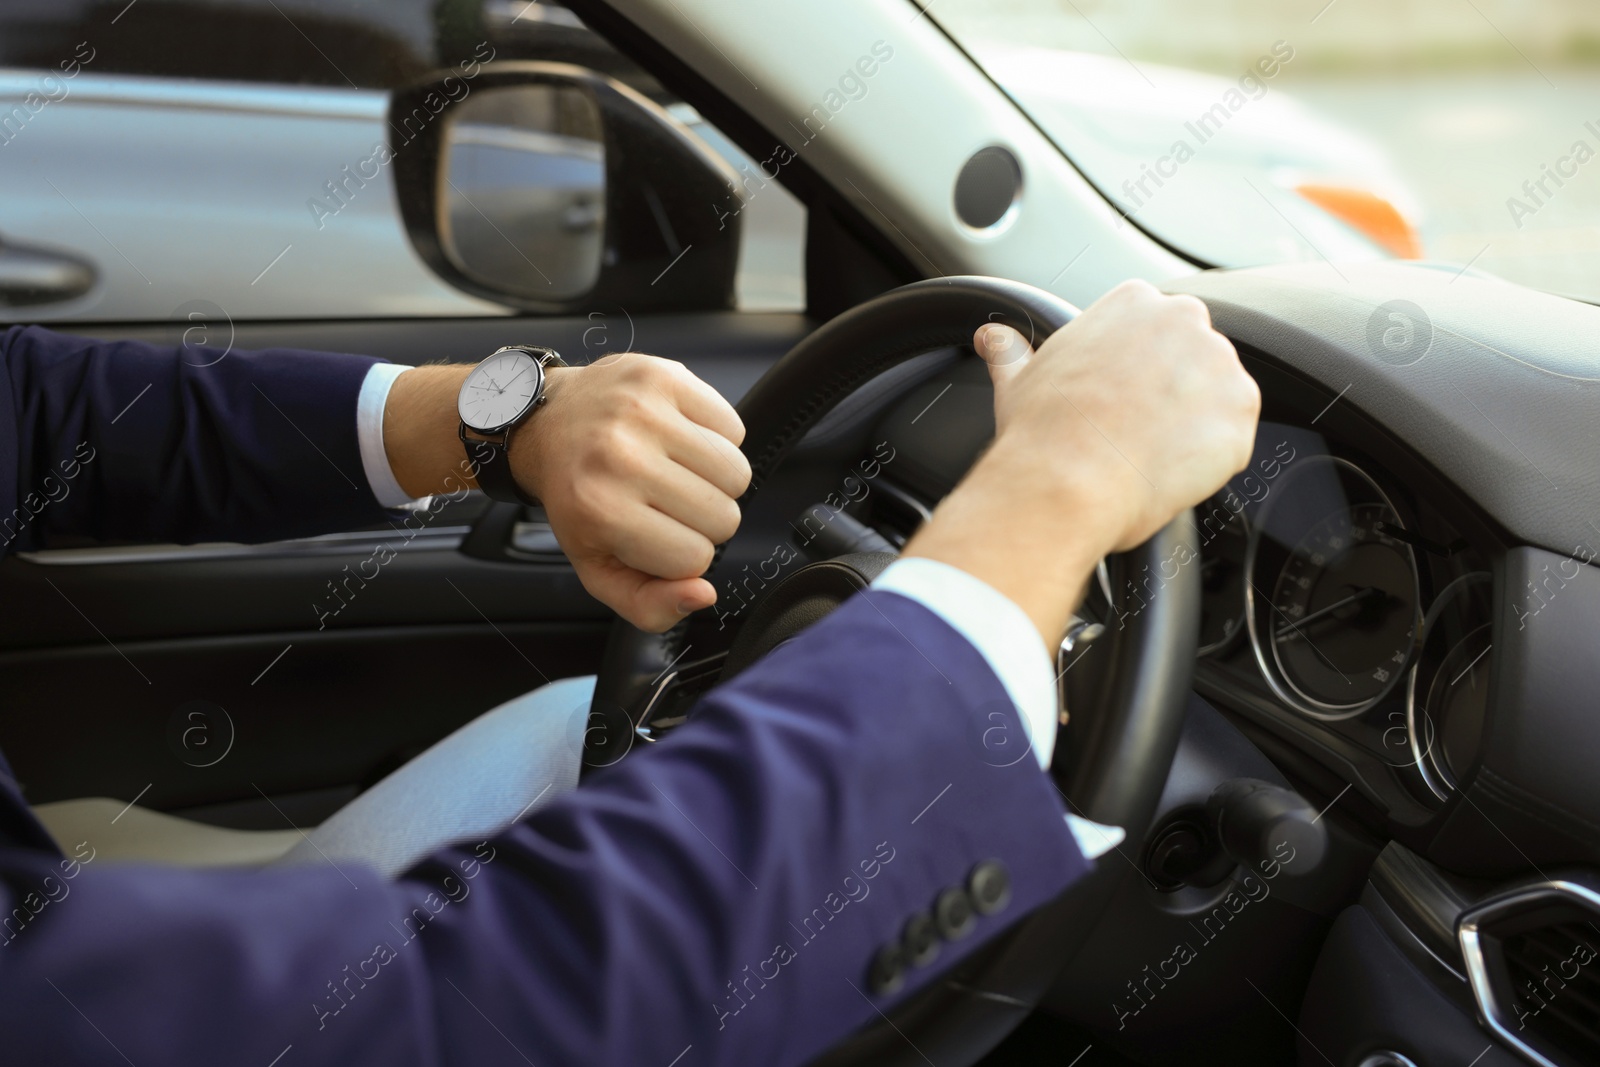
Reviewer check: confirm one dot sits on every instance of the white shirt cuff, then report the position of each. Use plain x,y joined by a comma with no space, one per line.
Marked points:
1094,839
369,434
1001,632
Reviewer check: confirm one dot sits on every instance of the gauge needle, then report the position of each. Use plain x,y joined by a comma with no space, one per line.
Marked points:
1353,598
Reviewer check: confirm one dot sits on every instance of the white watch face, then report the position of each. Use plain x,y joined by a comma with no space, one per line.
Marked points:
499,390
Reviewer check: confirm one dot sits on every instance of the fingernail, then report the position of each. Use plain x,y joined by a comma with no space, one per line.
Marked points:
686,607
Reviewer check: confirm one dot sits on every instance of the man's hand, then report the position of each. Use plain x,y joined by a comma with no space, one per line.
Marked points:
1131,413
636,461
638,465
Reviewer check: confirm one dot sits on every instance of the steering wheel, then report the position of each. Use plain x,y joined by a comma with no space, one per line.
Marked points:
1110,763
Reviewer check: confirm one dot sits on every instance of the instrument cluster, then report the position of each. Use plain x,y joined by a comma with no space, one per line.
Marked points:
1333,594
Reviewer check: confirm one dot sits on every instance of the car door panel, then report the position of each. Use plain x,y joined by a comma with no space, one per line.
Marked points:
199,721
323,662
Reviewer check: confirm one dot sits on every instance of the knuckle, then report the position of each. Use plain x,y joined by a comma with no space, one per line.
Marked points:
727,520
699,556
742,472
1188,308
630,405
629,366
1134,288
1252,392
657,371
593,458
629,466
613,443
588,465
736,432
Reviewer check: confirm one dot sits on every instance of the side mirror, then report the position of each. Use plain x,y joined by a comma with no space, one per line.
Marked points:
551,188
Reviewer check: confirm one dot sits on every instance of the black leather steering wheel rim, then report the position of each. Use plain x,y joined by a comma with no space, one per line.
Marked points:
1112,762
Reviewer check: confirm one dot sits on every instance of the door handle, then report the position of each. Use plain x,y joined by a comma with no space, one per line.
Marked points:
35,276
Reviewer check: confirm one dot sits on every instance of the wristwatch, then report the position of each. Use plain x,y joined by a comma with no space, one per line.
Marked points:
497,396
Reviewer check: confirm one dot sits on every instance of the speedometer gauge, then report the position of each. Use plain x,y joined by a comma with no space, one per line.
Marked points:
1344,609
1449,688
1333,595
1458,700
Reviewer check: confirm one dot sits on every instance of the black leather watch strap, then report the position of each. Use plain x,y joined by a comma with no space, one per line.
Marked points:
492,460
491,455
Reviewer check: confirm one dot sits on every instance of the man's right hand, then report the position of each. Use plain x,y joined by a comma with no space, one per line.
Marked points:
1132,412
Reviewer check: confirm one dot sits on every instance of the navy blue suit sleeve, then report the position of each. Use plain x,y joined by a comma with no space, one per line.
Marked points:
126,441
717,898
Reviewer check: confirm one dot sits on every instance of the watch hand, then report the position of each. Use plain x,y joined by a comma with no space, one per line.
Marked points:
1354,598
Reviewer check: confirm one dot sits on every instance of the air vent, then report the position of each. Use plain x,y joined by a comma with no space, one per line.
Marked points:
1555,986
1533,956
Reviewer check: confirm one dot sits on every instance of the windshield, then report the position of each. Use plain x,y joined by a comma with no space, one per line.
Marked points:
1244,132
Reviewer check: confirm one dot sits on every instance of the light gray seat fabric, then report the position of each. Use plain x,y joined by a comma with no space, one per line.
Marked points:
466,788
120,832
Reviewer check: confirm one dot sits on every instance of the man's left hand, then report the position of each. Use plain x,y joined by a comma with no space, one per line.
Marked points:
638,465
636,461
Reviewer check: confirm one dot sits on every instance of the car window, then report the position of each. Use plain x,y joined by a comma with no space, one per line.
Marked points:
173,155
1245,132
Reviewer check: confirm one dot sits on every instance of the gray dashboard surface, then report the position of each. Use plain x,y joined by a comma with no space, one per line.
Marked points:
1496,386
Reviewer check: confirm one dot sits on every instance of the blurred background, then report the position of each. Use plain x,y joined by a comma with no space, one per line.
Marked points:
1238,132
1443,107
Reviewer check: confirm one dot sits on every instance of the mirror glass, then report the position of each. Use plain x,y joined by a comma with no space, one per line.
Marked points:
522,190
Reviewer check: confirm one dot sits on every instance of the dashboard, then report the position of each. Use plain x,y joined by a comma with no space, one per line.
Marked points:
1398,622
1345,611
1347,614
1399,611
1399,608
